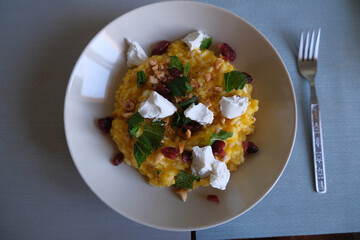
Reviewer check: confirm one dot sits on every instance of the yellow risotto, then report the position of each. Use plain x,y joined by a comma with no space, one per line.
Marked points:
206,77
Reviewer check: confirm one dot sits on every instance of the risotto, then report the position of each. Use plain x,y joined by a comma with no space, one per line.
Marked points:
205,81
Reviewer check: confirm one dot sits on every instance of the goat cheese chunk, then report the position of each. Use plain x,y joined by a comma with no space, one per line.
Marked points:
199,113
135,54
232,107
220,175
202,161
156,106
194,39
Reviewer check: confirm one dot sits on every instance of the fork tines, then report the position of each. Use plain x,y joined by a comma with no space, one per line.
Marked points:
308,53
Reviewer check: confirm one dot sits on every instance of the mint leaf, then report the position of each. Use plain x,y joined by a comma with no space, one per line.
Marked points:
205,43
158,171
176,63
141,78
234,80
179,118
186,69
149,141
185,180
222,135
134,124
179,86
187,103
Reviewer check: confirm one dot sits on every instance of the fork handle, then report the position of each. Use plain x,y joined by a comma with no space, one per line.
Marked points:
318,151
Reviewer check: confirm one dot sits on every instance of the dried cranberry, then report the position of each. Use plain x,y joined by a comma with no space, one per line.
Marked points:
119,157
249,147
227,52
163,91
212,198
105,124
248,77
186,156
218,147
160,48
192,126
175,73
170,152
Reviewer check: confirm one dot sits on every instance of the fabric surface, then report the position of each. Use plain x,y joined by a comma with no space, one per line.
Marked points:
42,196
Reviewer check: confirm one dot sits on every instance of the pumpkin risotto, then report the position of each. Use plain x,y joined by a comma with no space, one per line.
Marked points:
162,148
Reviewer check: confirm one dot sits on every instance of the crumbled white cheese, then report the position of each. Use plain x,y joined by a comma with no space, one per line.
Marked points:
204,164
220,175
234,106
199,113
202,159
156,106
194,39
135,54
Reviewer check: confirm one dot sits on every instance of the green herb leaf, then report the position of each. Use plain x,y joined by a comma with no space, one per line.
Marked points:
141,78
176,63
185,180
222,135
186,69
158,171
179,86
205,44
234,80
187,103
134,124
149,141
179,118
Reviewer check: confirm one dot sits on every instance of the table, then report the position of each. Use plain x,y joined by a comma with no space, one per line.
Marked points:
44,197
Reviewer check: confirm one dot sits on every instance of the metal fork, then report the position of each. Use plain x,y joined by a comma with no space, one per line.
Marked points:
307,65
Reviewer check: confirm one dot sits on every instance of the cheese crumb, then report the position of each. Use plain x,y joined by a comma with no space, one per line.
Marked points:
135,54
194,39
156,106
202,161
232,107
199,113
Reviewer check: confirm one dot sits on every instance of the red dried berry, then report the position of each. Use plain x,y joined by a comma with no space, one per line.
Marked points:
186,156
193,126
160,48
248,77
218,147
212,198
119,157
163,91
105,124
249,147
170,152
175,73
227,52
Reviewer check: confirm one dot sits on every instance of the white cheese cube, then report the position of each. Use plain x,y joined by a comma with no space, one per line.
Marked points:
202,161
220,175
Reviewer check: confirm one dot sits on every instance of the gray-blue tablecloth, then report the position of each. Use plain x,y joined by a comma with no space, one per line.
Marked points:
42,196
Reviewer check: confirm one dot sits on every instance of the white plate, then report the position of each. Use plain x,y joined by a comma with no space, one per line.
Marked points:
90,95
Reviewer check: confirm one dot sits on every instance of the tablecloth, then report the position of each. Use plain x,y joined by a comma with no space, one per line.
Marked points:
44,197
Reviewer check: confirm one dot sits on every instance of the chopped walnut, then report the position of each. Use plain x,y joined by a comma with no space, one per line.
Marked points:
158,157
155,68
167,121
153,79
217,63
194,83
207,102
153,62
222,120
218,89
208,77
181,147
127,114
188,134
182,194
128,105
161,66
159,74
